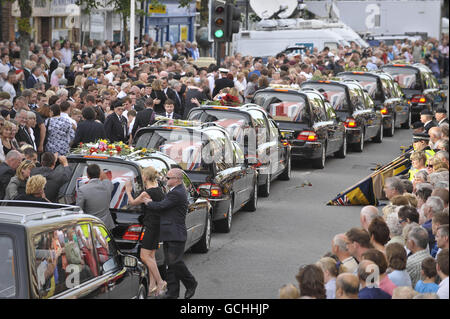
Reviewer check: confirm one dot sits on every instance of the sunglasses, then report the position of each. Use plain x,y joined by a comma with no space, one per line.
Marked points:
170,177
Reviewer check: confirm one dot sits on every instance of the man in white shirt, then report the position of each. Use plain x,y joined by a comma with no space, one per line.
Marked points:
442,270
66,53
9,85
4,69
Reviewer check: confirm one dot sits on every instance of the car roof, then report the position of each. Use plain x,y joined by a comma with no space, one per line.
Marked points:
29,213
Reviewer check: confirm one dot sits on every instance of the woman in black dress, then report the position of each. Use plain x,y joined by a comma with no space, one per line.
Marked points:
151,223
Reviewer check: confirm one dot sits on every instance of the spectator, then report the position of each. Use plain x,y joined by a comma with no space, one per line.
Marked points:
428,274
289,291
392,187
397,258
358,241
417,242
35,189
89,130
311,282
367,214
347,286
442,237
442,193
379,259
404,293
395,229
18,182
55,177
442,270
379,233
366,274
339,249
7,170
59,132
330,272
433,206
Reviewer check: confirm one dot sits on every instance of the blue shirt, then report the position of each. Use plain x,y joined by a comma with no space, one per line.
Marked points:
373,293
400,278
425,288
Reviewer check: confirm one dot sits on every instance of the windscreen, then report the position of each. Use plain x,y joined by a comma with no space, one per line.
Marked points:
181,145
406,77
335,94
284,106
368,82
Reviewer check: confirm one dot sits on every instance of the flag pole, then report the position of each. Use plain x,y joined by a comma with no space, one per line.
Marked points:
132,32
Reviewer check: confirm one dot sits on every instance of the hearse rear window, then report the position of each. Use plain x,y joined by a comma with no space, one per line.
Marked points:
406,77
335,94
284,106
181,145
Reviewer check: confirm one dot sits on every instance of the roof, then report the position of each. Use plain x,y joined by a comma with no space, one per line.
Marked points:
23,212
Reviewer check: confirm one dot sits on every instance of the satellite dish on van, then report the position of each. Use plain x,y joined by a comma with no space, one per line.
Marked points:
265,9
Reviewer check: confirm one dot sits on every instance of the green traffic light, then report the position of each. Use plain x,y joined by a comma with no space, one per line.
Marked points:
219,33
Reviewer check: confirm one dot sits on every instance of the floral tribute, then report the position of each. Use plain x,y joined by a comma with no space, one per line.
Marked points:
103,147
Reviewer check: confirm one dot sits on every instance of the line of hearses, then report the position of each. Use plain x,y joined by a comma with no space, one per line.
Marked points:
231,155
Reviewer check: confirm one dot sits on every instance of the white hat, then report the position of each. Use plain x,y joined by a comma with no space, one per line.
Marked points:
223,70
88,66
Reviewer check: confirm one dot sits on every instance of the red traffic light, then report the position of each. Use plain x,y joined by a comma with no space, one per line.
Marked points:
220,9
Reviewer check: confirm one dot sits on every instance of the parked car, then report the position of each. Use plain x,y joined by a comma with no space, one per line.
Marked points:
250,126
128,219
212,161
354,107
419,85
307,121
50,251
387,97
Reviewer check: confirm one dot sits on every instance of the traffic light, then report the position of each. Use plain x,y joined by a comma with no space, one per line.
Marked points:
218,21
233,21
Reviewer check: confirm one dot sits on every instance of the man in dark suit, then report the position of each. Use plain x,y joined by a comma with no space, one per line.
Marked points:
89,130
33,78
193,94
145,117
55,62
169,106
116,125
441,115
223,82
174,234
426,117
22,135
177,95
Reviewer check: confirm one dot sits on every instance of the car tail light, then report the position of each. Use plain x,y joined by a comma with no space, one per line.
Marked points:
350,123
419,99
134,232
213,189
384,111
308,136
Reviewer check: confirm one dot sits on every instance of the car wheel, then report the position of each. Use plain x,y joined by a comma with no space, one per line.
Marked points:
379,137
252,203
320,162
224,225
204,244
407,124
142,292
342,153
391,130
360,146
265,189
286,175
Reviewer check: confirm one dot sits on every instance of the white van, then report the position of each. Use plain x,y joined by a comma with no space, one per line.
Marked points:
269,43
349,35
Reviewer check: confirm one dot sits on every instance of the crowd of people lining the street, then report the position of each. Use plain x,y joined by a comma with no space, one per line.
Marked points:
65,94
399,250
